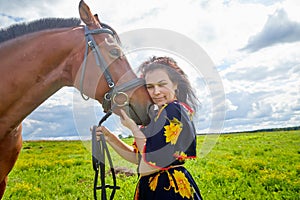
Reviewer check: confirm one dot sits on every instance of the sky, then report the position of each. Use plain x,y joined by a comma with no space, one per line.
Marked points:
254,48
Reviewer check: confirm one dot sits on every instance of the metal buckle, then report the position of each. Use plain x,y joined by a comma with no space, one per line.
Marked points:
107,96
126,102
111,84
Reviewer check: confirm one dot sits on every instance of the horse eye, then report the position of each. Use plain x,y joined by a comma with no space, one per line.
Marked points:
115,52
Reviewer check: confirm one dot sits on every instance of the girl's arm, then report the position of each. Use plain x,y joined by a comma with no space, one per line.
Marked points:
124,150
140,139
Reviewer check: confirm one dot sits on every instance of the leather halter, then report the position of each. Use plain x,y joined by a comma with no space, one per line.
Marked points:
100,61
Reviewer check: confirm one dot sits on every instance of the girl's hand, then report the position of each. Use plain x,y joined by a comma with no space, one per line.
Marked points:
127,121
102,130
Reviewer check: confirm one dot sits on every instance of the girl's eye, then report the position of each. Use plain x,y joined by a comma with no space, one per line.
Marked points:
150,86
162,84
115,53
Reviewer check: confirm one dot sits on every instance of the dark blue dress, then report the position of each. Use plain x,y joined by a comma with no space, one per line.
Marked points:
171,139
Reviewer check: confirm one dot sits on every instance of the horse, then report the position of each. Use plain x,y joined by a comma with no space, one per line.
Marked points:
39,58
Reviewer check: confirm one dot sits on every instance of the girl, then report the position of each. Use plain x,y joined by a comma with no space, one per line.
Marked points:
161,148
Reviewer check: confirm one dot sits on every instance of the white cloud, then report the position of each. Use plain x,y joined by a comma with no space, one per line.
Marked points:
278,29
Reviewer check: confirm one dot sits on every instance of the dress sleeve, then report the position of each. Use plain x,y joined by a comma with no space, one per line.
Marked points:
171,137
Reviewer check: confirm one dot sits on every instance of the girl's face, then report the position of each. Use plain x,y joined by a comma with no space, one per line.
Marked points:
160,87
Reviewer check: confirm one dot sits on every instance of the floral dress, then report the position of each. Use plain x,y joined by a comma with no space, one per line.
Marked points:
171,139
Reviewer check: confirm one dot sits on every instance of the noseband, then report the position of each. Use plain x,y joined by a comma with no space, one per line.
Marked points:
99,148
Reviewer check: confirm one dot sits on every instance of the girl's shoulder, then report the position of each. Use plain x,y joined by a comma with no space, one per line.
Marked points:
172,105
180,106
175,108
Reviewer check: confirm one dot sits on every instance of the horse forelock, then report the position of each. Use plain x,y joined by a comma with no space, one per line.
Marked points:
24,28
115,33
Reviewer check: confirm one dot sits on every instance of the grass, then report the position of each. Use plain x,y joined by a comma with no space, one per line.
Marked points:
240,166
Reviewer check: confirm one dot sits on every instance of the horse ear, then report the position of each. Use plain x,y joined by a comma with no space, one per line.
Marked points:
86,15
97,18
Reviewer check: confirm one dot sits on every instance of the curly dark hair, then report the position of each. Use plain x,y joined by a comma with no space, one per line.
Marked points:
184,92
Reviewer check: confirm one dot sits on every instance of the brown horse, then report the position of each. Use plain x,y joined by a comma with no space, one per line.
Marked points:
38,62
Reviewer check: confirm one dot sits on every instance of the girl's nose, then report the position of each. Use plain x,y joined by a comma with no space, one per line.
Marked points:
156,90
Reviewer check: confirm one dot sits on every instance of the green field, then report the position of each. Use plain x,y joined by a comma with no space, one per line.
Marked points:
263,165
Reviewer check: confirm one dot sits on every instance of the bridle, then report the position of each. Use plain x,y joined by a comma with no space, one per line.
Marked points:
101,63
99,148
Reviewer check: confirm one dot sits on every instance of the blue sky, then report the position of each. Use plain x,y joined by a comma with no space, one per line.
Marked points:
254,46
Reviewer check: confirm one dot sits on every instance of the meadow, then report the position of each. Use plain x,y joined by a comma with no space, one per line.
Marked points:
263,165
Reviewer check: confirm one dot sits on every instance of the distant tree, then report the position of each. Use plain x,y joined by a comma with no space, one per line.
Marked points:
120,136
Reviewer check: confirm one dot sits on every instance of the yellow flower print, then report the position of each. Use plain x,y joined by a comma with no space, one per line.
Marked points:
134,145
173,130
180,156
171,181
152,163
184,187
153,182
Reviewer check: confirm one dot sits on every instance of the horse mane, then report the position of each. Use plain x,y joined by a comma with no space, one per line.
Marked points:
24,28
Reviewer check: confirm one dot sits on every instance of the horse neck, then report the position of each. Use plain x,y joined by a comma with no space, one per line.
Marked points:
34,67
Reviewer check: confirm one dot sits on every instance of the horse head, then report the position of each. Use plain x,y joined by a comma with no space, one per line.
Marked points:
105,73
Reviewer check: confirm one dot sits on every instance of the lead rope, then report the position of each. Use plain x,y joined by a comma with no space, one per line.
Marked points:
99,149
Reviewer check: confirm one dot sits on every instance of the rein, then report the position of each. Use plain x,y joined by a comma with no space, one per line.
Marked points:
99,148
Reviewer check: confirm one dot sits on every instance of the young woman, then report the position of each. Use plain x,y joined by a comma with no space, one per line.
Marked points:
161,148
